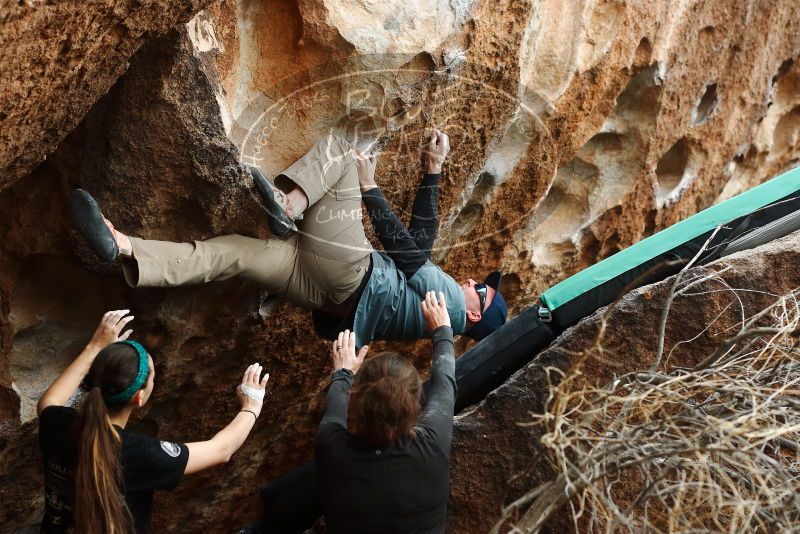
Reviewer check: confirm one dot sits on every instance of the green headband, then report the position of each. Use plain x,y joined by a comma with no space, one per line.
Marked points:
144,366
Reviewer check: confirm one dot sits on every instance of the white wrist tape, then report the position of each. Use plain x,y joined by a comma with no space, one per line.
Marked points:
253,393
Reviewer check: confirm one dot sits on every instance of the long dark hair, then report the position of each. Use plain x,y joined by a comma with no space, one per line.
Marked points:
99,503
386,399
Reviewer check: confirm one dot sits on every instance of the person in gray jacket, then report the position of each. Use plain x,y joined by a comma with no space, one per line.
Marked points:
319,257
382,453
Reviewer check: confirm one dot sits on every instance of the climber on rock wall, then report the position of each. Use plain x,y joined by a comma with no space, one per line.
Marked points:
320,257
99,476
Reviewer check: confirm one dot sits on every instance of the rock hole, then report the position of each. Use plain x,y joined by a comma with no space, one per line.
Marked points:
268,305
638,105
510,287
787,130
464,223
783,70
422,62
707,105
643,51
707,32
650,222
467,219
473,210
484,185
417,70
605,142
671,169
564,211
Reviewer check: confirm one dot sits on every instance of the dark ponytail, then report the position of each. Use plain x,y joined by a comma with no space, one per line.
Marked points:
99,502
386,395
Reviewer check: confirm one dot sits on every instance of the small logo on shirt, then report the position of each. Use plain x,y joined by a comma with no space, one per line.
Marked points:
171,448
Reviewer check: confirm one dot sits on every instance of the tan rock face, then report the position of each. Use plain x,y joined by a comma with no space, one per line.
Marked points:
58,59
577,129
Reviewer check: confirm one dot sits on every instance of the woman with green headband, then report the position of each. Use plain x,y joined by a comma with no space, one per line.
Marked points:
99,477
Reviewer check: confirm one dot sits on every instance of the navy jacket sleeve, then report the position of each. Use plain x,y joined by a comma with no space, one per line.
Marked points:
409,250
394,236
425,213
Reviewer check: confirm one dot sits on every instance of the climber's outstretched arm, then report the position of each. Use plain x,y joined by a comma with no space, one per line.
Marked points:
425,212
408,251
393,235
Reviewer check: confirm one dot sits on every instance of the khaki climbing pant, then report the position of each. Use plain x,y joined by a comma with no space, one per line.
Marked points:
325,260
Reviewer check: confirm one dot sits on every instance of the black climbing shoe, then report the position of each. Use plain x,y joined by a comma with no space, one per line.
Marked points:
281,225
88,219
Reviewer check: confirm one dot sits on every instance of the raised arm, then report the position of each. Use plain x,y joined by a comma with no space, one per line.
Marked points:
393,235
108,332
220,448
345,364
425,212
437,414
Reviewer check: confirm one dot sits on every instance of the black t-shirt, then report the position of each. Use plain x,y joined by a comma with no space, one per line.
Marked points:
147,463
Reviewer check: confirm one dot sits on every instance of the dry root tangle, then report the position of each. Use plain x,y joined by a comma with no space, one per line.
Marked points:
713,448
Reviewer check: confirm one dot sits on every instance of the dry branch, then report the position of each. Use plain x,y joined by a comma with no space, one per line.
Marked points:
712,448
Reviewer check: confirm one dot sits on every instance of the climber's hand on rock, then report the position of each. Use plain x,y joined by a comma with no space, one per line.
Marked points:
365,165
436,151
434,311
251,390
344,354
108,331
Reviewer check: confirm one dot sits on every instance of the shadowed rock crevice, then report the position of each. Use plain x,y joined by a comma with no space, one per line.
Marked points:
48,329
706,105
676,170
78,50
672,167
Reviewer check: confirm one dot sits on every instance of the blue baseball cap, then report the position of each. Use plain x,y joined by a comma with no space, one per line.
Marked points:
494,316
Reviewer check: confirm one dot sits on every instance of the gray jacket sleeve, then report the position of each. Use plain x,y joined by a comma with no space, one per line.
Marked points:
437,414
335,415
